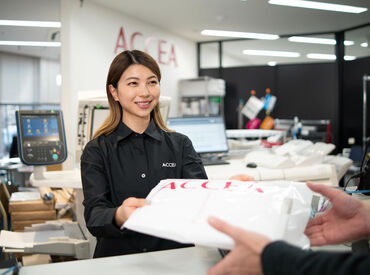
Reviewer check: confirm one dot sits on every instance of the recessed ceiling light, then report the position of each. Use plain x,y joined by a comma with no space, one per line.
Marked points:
272,63
24,23
250,35
318,5
315,40
30,43
328,56
364,45
271,53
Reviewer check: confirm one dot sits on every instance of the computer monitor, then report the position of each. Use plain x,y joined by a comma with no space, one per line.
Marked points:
41,137
99,115
207,134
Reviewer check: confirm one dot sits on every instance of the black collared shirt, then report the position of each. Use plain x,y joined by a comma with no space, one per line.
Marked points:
125,164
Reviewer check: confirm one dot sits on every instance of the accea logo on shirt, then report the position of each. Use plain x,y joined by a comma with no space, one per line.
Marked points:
169,164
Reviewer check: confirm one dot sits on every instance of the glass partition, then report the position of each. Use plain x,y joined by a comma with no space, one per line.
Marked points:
280,51
360,46
209,55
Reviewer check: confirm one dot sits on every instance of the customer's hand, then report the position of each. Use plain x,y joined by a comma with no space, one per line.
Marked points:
245,258
348,219
127,207
242,177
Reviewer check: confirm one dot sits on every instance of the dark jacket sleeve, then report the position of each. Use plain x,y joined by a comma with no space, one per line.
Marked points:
282,258
99,210
192,164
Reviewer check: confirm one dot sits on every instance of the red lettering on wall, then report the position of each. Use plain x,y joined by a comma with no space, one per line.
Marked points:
146,43
161,52
166,54
172,56
132,47
121,41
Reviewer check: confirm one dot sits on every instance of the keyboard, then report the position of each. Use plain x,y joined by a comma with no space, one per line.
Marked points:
215,161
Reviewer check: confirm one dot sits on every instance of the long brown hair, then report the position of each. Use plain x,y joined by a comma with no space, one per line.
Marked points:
120,63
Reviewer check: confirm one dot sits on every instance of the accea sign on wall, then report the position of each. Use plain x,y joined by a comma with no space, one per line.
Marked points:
165,52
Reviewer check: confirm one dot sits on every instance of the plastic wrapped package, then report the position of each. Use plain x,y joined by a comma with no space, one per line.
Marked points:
179,209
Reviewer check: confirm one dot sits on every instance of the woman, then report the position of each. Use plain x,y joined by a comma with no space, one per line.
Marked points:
131,152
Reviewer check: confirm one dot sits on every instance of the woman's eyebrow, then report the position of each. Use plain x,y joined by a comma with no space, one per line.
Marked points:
137,78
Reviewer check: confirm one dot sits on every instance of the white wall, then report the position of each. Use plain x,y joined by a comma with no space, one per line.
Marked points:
89,34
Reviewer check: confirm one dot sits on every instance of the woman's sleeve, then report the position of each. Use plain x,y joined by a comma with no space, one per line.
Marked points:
99,209
192,167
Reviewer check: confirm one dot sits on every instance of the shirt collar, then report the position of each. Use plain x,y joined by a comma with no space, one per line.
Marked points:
152,130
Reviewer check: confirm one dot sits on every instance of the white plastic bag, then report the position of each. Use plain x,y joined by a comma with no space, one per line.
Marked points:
179,209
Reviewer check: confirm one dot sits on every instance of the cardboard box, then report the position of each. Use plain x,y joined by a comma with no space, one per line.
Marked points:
33,215
34,205
20,225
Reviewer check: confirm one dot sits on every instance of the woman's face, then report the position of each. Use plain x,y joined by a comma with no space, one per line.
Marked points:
137,92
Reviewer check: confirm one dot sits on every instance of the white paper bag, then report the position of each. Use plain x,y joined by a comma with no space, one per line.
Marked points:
179,209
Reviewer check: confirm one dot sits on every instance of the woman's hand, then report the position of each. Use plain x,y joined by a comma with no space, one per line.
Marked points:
127,207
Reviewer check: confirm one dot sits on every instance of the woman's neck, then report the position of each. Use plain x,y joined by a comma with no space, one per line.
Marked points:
136,124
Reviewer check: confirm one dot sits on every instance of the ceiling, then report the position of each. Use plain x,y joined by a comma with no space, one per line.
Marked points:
188,18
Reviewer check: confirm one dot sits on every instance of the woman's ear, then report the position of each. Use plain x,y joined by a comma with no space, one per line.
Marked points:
113,92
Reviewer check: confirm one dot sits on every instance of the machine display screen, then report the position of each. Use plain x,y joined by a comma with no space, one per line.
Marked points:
41,127
41,137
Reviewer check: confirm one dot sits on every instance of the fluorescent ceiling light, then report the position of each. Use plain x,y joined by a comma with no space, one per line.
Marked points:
24,23
272,63
364,45
271,53
321,56
349,43
30,43
250,35
349,57
328,56
315,40
318,5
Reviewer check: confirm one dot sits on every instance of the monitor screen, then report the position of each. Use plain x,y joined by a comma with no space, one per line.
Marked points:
46,126
41,137
207,134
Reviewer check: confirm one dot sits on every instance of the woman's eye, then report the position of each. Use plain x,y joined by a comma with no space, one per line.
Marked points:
133,83
153,82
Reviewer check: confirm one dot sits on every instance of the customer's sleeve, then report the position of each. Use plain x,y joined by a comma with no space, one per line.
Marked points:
99,210
192,167
282,258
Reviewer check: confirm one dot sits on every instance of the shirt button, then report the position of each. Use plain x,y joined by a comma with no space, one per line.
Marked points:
143,175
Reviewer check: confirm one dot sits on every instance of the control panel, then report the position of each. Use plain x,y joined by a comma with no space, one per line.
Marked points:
41,137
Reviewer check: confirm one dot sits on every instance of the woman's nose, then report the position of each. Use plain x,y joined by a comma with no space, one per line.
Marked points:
144,90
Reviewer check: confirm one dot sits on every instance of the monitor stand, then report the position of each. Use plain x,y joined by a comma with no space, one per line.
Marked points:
212,159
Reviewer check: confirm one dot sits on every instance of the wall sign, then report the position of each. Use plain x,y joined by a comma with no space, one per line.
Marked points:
162,51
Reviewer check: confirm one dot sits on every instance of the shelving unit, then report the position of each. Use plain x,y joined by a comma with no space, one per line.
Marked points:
203,96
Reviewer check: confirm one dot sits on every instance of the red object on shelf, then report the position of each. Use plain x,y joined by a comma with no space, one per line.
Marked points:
267,144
